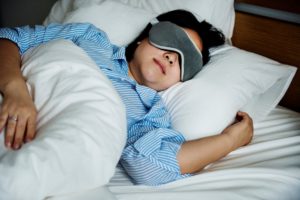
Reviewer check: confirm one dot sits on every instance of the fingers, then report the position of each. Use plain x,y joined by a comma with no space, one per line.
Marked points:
247,122
19,131
10,131
30,129
3,117
243,116
17,115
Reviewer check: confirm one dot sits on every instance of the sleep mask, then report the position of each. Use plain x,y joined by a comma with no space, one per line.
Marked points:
168,36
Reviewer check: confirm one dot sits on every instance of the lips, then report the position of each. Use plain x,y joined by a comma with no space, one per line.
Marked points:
160,65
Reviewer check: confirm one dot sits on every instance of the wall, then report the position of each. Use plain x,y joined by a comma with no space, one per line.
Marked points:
23,12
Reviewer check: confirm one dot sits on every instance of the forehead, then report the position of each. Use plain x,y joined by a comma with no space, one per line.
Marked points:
195,37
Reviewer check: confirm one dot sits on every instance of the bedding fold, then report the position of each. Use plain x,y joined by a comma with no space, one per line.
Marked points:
81,127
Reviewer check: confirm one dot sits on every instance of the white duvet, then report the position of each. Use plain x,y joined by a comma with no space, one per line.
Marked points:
81,127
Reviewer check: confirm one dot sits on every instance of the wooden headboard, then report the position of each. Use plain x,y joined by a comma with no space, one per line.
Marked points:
274,38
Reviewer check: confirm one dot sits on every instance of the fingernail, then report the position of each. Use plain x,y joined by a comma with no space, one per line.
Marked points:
16,146
8,145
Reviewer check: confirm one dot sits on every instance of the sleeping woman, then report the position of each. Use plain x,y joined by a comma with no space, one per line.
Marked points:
172,48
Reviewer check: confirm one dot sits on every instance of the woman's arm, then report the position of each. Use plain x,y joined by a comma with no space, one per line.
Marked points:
17,113
195,155
27,37
17,101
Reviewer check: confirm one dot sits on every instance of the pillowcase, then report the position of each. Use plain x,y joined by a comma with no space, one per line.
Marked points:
123,20
233,80
62,7
219,13
81,127
122,23
58,11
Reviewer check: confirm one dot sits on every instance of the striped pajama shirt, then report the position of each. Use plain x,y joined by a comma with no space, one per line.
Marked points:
149,156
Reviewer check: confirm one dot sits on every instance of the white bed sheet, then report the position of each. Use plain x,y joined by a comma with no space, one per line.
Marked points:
268,168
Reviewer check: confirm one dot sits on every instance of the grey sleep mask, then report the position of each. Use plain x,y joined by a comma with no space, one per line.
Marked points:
168,36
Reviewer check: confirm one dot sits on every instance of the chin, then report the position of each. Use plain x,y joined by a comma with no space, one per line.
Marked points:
154,86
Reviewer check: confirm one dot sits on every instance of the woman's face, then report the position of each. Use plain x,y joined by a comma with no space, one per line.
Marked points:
157,68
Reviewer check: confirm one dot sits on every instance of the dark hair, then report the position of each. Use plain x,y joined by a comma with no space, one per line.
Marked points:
210,35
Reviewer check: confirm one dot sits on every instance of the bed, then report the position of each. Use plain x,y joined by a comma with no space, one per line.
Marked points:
72,159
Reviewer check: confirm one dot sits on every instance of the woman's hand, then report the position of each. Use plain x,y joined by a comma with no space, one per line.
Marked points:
194,155
17,115
241,132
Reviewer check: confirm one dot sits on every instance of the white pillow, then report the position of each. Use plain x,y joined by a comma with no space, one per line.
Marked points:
122,23
233,80
62,7
220,13
81,127
122,20
58,11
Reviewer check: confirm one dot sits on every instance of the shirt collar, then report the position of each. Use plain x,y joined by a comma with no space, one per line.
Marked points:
119,53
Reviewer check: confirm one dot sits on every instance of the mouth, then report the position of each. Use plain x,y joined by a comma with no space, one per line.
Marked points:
160,65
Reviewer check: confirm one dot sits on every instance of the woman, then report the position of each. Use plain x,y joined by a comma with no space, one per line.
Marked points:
172,48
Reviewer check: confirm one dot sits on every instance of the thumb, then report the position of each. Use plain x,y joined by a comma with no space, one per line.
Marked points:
241,115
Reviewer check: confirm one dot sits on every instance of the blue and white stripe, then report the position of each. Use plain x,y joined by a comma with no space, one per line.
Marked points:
152,145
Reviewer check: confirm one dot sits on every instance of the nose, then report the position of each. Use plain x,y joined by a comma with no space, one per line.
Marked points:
171,57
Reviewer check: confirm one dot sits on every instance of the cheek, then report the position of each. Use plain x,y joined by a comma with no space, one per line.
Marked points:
142,53
176,74
137,54
172,80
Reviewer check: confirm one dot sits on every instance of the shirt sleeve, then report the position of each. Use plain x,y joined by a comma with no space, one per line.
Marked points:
150,156
26,37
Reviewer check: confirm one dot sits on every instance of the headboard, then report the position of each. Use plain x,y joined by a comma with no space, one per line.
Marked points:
277,37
